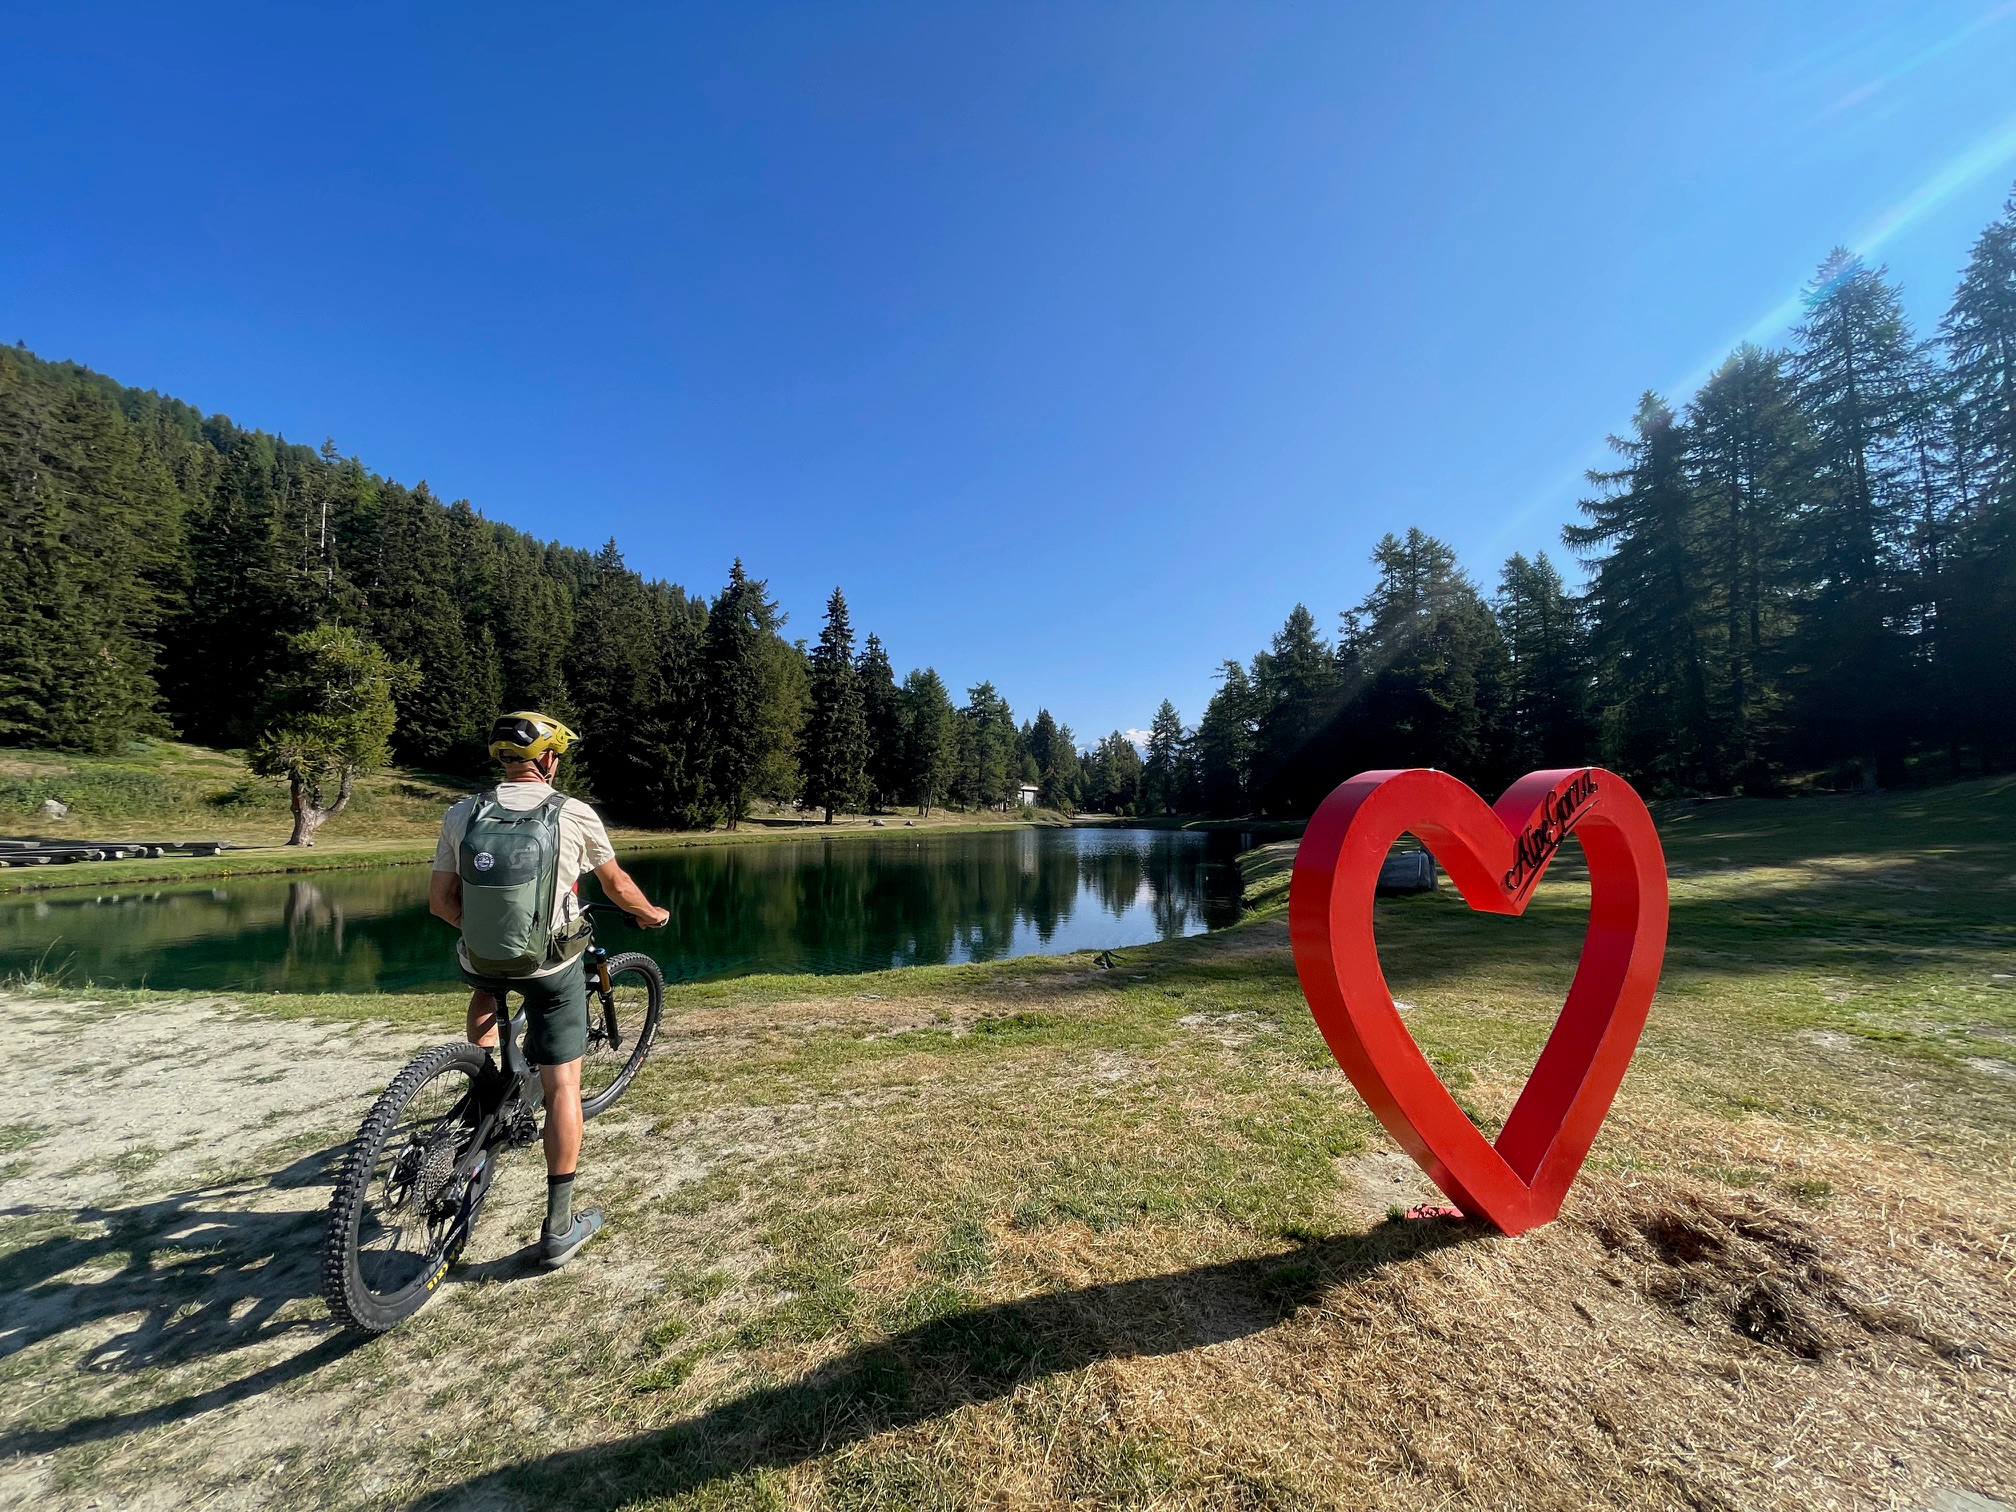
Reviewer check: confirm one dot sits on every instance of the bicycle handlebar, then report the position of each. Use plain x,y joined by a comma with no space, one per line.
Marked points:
589,908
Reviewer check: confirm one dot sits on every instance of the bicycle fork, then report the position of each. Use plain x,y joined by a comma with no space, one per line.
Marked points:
605,994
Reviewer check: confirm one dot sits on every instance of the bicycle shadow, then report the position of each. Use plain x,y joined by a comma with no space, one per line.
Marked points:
950,1362
202,1274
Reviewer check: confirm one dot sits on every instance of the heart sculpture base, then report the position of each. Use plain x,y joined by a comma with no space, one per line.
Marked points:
1495,856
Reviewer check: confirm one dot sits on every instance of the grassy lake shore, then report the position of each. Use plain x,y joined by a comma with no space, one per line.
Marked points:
167,790
1038,1234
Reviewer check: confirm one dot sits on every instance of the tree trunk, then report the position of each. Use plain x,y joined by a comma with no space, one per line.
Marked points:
308,815
307,820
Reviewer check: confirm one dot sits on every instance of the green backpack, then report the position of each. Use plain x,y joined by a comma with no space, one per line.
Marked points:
510,869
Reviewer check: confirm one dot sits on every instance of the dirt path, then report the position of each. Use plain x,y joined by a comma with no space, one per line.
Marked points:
164,1171
161,1197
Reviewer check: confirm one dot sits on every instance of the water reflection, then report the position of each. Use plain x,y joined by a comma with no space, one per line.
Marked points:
813,905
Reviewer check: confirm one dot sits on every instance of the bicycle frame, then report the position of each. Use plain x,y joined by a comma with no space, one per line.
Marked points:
517,1083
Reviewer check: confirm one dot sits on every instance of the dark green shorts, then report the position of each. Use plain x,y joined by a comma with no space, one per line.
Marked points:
556,1011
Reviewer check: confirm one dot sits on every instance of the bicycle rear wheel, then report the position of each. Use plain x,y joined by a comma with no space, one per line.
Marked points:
400,1213
622,1023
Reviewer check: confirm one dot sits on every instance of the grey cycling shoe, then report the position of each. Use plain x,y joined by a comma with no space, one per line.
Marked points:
556,1250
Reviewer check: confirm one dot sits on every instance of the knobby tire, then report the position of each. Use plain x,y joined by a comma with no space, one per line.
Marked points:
351,1299
636,970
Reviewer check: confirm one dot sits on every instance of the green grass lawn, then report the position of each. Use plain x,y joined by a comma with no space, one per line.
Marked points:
1041,1234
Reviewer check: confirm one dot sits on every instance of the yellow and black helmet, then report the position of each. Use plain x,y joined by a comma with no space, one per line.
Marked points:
528,735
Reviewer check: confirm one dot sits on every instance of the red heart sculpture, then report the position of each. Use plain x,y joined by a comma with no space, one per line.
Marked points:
1496,857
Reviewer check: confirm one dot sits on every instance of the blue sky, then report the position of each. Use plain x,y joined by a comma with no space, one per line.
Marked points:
1077,343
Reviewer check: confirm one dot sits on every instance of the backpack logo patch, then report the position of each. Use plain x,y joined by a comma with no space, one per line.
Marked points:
484,860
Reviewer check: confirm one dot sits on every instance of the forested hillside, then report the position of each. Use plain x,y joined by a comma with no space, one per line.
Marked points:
156,564
1807,572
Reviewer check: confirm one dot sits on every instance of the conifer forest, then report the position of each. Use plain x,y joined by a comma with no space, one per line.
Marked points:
1803,573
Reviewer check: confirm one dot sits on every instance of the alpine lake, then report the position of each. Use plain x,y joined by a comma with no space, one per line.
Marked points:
821,905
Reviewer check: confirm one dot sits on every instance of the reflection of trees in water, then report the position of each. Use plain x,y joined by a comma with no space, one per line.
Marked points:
319,956
309,913
1113,869
1173,871
828,905
342,931
848,904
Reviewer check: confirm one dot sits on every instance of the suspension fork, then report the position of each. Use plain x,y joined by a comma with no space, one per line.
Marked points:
605,992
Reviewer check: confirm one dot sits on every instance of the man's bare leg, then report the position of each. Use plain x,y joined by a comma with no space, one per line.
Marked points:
482,1022
563,1117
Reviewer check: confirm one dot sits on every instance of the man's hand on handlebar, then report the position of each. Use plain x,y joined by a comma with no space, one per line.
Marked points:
628,896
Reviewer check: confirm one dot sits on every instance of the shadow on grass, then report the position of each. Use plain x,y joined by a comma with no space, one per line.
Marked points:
199,1278
949,1362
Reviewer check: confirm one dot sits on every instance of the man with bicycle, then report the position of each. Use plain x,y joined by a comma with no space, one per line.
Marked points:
505,873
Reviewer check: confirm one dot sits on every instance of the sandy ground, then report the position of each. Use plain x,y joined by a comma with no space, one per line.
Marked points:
164,1175
174,1162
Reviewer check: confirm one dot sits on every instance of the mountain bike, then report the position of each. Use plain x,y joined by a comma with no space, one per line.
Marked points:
414,1180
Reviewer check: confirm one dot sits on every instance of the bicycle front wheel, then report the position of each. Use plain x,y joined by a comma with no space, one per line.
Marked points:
403,1205
622,1023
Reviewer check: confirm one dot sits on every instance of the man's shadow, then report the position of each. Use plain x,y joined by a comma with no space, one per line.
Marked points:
939,1366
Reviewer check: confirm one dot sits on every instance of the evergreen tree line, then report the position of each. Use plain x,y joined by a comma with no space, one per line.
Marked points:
1808,572
160,567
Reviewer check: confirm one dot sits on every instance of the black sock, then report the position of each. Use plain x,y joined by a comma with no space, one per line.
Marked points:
559,1203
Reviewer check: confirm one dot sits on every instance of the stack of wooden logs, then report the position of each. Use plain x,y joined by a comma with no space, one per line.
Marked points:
57,852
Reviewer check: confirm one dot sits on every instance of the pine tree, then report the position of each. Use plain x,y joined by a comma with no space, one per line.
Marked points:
734,688
1225,744
251,588
1161,773
670,738
930,743
87,526
1425,670
613,666
1979,647
787,699
1055,754
531,626
835,758
1113,776
1979,333
1295,685
985,773
1856,365
1644,605
882,717
475,586
1547,667
1750,466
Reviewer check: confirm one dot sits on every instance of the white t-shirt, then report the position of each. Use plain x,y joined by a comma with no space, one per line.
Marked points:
584,845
